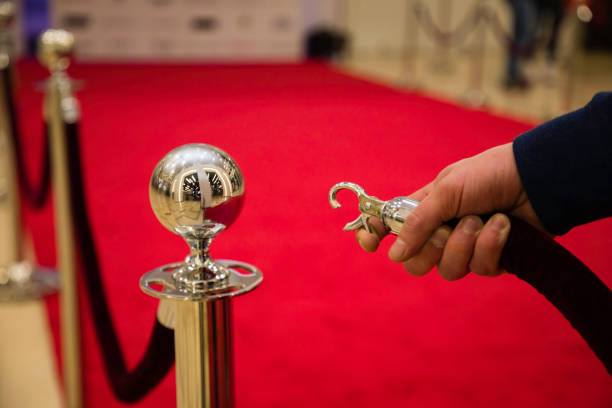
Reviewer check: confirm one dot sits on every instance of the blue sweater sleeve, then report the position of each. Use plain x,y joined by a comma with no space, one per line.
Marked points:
565,166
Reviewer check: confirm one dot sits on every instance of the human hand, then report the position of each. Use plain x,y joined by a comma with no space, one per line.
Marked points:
483,184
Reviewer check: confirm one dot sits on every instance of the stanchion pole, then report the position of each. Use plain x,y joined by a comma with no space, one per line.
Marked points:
445,15
19,278
196,191
340,13
408,77
11,189
475,96
61,108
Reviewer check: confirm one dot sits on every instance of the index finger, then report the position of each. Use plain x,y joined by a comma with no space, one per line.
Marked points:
369,241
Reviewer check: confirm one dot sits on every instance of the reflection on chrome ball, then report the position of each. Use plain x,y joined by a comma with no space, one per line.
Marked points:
196,186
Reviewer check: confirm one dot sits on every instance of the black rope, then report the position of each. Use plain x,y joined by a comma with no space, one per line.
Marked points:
159,355
567,283
35,196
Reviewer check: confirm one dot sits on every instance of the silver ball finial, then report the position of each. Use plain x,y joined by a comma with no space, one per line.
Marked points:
55,47
196,190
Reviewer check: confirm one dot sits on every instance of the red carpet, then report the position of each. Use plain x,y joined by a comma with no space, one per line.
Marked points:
331,326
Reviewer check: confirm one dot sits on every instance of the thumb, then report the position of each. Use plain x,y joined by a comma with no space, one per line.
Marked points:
437,207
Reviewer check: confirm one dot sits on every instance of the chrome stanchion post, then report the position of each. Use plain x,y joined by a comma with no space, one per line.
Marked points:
196,191
61,109
341,25
475,95
408,76
442,62
19,279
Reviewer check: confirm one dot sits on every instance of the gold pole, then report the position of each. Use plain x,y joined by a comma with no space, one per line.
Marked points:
204,371
410,53
19,279
11,192
60,108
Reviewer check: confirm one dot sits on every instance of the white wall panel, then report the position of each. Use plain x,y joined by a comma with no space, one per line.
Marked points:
183,29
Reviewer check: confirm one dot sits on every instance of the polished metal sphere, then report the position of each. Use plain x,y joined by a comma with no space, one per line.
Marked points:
7,12
55,48
194,187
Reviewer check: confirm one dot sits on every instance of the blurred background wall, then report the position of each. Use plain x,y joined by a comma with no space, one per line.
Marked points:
256,28
382,40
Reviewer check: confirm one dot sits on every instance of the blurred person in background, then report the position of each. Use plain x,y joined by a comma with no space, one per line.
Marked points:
550,16
525,14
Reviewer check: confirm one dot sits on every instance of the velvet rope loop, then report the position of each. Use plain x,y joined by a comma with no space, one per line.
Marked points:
36,196
451,38
505,38
479,14
128,386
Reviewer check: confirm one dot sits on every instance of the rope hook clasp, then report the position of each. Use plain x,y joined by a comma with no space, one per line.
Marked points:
368,205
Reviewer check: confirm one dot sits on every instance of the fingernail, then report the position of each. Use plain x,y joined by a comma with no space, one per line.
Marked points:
499,222
440,237
502,225
470,225
397,250
373,229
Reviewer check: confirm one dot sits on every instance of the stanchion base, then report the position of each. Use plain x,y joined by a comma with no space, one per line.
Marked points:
22,281
474,98
408,84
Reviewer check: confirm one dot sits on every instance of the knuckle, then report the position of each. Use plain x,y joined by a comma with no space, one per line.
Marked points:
415,267
481,268
451,272
448,196
444,172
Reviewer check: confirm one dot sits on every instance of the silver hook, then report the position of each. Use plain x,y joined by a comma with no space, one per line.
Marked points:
367,205
344,185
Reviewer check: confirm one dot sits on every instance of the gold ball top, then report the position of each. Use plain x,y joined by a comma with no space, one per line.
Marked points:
55,48
7,12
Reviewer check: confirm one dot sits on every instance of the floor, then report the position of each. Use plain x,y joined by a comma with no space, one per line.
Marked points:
28,373
454,76
27,369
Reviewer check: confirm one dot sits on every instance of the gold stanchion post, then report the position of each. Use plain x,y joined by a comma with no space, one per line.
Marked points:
19,279
61,108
